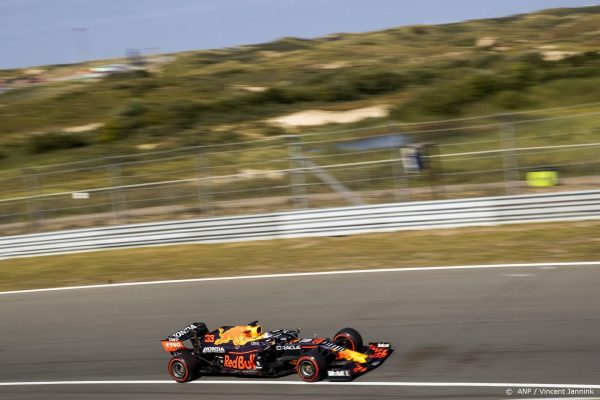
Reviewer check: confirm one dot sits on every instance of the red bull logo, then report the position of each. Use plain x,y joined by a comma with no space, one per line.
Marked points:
240,362
239,335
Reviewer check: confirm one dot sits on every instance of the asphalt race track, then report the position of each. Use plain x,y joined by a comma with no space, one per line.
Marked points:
495,325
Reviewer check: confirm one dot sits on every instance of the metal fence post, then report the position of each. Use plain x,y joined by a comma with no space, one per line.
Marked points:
401,182
113,198
297,178
204,187
31,186
119,206
435,170
510,159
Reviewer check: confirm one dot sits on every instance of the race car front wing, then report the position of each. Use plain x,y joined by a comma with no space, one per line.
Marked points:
376,352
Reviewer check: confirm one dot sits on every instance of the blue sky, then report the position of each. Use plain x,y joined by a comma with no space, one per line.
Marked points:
38,32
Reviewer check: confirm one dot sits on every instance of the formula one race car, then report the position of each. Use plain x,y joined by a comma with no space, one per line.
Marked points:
246,350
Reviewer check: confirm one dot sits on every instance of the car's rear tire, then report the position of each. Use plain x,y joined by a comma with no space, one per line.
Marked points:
183,368
311,367
349,338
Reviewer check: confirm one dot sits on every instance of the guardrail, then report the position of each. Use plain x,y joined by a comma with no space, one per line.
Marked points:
320,222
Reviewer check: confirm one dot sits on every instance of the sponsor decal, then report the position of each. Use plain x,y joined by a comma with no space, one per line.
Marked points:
213,350
383,345
240,362
338,372
171,345
184,331
288,347
306,341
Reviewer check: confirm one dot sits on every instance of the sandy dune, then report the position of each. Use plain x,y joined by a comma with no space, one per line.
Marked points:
320,117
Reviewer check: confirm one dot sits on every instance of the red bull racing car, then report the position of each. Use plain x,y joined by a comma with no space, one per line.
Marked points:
247,350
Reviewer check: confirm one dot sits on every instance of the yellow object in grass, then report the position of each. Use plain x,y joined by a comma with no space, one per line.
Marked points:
542,178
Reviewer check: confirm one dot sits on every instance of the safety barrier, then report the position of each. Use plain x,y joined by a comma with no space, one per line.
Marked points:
579,205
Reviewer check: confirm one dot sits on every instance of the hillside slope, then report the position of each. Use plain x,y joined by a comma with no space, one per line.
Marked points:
416,73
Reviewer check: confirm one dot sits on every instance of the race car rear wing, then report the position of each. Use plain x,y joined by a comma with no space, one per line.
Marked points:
194,329
173,346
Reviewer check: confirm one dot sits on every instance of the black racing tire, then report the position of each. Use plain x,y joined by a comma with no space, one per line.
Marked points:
311,367
349,338
183,368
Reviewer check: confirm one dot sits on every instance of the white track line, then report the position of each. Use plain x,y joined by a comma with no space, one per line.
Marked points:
354,383
300,274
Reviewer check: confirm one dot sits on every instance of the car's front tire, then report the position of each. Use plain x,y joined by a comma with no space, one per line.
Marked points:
349,338
183,367
311,367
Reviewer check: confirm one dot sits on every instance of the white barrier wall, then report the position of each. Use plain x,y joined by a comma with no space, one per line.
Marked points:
320,222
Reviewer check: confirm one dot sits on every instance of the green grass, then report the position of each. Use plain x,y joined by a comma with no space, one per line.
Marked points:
549,242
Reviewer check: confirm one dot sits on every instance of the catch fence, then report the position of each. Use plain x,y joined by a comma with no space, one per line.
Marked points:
457,158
